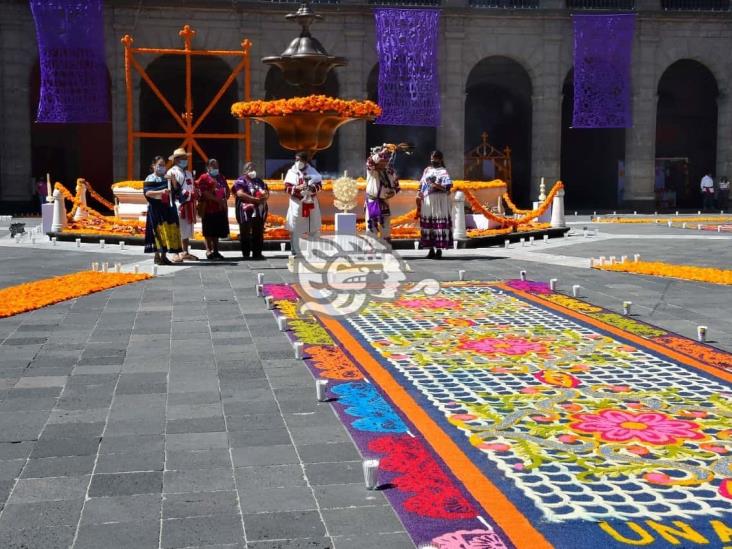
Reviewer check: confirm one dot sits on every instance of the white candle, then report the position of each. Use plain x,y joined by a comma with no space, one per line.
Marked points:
523,242
269,302
101,243
506,243
575,214
95,266
697,213
121,244
719,228
259,289
698,227
626,307
321,386
260,278
282,323
531,240
575,290
49,190
53,240
118,267
553,284
105,267
299,349
546,238
78,242
683,225
677,212
461,274
624,259
370,473
283,246
522,274
636,258
416,245
701,333
611,259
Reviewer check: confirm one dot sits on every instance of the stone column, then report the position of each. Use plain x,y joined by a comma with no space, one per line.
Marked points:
352,136
249,26
724,133
546,119
640,140
451,133
17,40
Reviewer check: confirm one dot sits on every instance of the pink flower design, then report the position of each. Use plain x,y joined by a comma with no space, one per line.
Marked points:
651,427
280,292
530,287
511,346
428,303
469,539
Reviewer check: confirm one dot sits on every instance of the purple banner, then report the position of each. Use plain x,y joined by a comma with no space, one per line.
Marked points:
409,85
602,51
74,79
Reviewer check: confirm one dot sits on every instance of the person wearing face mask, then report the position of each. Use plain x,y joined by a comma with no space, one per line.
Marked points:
252,194
187,195
162,233
302,183
433,203
213,207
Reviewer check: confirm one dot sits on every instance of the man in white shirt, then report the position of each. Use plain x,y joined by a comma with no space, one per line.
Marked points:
302,183
187,196
707,190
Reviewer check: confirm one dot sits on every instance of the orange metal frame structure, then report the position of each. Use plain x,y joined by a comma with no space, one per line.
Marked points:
185,120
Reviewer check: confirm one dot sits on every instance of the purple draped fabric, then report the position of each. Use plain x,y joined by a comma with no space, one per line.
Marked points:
74,80
602,51
409,85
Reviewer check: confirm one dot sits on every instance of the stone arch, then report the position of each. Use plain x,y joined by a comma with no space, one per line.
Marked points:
424,138
277,159
592,159
686,129
499,102
208,74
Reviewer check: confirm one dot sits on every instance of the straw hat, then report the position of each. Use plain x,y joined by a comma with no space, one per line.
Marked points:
177,153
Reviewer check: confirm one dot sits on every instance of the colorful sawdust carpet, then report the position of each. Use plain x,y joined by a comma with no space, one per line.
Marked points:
507,415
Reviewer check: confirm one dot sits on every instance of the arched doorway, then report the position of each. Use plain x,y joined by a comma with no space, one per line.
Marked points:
279,159
686,131
70,151
209,73
592,159
424,138
498,102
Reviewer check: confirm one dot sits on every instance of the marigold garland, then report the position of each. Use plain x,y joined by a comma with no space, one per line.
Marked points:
41,293
277,185
515,209
669,270
313,103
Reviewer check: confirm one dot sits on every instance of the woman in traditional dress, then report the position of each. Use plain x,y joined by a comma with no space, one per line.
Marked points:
302,183
382,184
433,204
214,193
162,231
252,194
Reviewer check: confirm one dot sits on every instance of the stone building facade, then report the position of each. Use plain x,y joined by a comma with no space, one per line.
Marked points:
539,39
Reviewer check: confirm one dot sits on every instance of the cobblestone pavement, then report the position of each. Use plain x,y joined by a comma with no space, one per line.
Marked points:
170,413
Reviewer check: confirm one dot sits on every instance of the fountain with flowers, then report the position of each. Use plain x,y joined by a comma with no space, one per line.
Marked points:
306,123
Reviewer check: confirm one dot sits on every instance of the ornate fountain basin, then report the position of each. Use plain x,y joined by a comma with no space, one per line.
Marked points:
306,131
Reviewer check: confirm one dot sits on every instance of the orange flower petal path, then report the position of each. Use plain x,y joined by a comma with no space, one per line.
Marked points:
41,293
669,270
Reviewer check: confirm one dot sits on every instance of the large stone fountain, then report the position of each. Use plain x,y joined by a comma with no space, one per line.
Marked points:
306,123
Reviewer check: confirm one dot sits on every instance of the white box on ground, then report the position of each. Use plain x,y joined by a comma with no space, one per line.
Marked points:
345,223
47,216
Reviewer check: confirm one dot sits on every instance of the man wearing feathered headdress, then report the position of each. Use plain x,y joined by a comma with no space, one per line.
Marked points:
382,184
